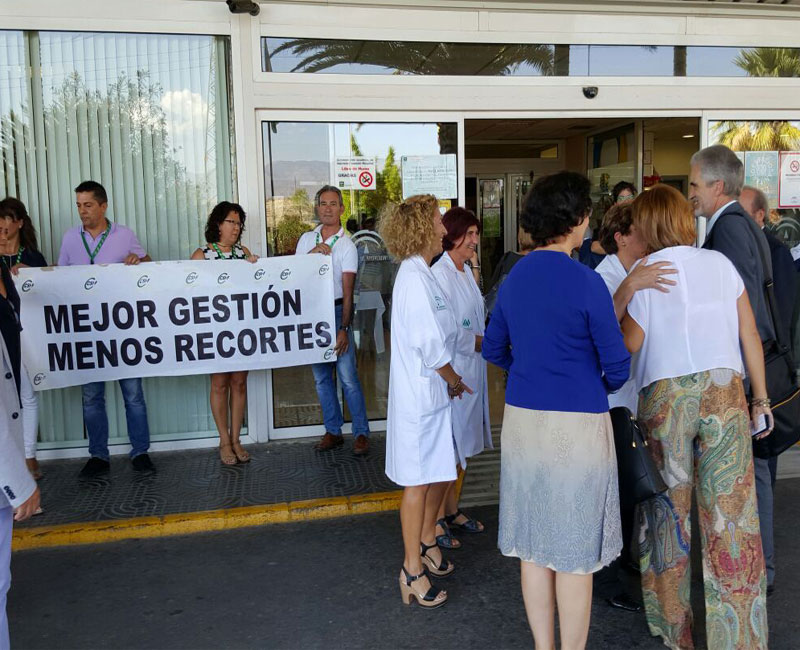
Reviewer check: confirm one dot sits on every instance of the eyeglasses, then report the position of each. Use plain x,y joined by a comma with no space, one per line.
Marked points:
232,222
625,197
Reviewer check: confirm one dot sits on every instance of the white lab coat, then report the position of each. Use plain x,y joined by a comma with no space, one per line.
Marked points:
419,424
471,428
613,273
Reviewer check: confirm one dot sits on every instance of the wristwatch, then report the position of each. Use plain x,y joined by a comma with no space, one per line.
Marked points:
345,328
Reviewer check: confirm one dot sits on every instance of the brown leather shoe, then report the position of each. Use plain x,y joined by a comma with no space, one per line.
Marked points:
361,446
329,441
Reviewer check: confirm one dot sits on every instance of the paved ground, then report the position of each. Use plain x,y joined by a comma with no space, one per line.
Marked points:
195,480
325,584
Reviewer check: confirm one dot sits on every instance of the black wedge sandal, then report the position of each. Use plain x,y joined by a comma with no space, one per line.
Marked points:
431,599
445,568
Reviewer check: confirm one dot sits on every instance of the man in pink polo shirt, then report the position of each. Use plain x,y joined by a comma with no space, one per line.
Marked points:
99,241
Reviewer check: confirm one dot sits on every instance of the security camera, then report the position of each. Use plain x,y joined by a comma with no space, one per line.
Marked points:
243,7
590,92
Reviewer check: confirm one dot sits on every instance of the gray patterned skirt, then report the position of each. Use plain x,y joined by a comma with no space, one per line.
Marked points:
559,497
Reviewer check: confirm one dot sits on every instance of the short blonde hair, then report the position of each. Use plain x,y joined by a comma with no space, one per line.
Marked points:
664,218
407,227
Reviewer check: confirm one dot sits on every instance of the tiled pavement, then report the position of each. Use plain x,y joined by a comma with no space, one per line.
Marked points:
191,481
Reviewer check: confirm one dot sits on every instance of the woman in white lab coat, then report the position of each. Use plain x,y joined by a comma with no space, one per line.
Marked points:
470,414
420,450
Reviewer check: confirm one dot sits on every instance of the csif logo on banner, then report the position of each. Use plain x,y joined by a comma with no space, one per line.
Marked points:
260,273
285,274
27,285
143,281
223,278
191,278
90,284
324,269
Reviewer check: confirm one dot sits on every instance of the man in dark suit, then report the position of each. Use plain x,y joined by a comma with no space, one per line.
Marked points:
715,183
784,275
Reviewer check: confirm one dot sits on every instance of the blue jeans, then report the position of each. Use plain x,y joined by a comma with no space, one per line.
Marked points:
96,420
326,389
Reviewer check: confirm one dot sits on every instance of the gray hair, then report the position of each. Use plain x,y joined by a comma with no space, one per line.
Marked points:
328,188
718,163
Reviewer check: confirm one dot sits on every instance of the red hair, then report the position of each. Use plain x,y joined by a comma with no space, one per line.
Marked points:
457,221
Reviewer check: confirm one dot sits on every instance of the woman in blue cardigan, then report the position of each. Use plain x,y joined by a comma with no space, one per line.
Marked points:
554,330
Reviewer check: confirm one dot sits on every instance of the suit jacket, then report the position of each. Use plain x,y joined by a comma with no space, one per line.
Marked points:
16,483
737,236
784,277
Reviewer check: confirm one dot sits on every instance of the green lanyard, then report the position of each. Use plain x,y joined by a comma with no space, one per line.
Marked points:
220,253
102,241
319,239
19,256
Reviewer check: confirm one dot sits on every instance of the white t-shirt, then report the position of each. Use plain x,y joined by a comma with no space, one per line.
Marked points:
344,256
694,327
613,273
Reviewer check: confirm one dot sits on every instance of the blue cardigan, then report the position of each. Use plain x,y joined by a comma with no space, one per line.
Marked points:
555,331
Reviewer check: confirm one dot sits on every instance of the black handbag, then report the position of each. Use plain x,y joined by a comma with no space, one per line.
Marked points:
779,367
639,478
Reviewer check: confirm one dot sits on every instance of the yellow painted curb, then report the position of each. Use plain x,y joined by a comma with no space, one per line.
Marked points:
98,532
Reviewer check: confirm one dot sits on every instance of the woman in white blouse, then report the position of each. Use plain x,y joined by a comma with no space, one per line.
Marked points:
470,414
420,450
693,409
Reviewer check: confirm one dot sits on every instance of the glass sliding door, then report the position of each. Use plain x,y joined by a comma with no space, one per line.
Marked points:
299,158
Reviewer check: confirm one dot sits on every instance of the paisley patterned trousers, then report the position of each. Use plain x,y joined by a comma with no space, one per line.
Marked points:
697,428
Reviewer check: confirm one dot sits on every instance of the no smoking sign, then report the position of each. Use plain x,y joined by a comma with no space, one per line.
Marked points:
354,173
365,179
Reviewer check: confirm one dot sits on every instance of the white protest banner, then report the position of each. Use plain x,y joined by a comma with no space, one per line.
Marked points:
355,174
435,174
104,322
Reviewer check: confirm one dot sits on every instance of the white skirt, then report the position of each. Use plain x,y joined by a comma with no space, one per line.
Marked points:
559,494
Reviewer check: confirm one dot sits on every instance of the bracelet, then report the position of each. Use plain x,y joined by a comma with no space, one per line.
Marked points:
455,386
760,401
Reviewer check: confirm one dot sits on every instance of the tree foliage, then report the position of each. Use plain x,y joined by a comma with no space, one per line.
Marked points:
298,211
417,58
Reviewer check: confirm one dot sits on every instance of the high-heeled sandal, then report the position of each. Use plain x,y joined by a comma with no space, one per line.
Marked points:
444,568
434,597
446,539
469,526
227,457
242,455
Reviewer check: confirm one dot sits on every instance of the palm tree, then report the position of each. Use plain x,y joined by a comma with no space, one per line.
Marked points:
769,62
775,135
419,58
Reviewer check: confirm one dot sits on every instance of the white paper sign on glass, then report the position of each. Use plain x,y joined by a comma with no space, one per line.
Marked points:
355,174
106,322
789,180
434,174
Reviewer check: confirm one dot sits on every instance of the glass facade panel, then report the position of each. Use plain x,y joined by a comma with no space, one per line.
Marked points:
761,144
149,117
299,158
341,56
611,158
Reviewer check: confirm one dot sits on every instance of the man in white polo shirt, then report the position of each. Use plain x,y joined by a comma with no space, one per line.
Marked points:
329,238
